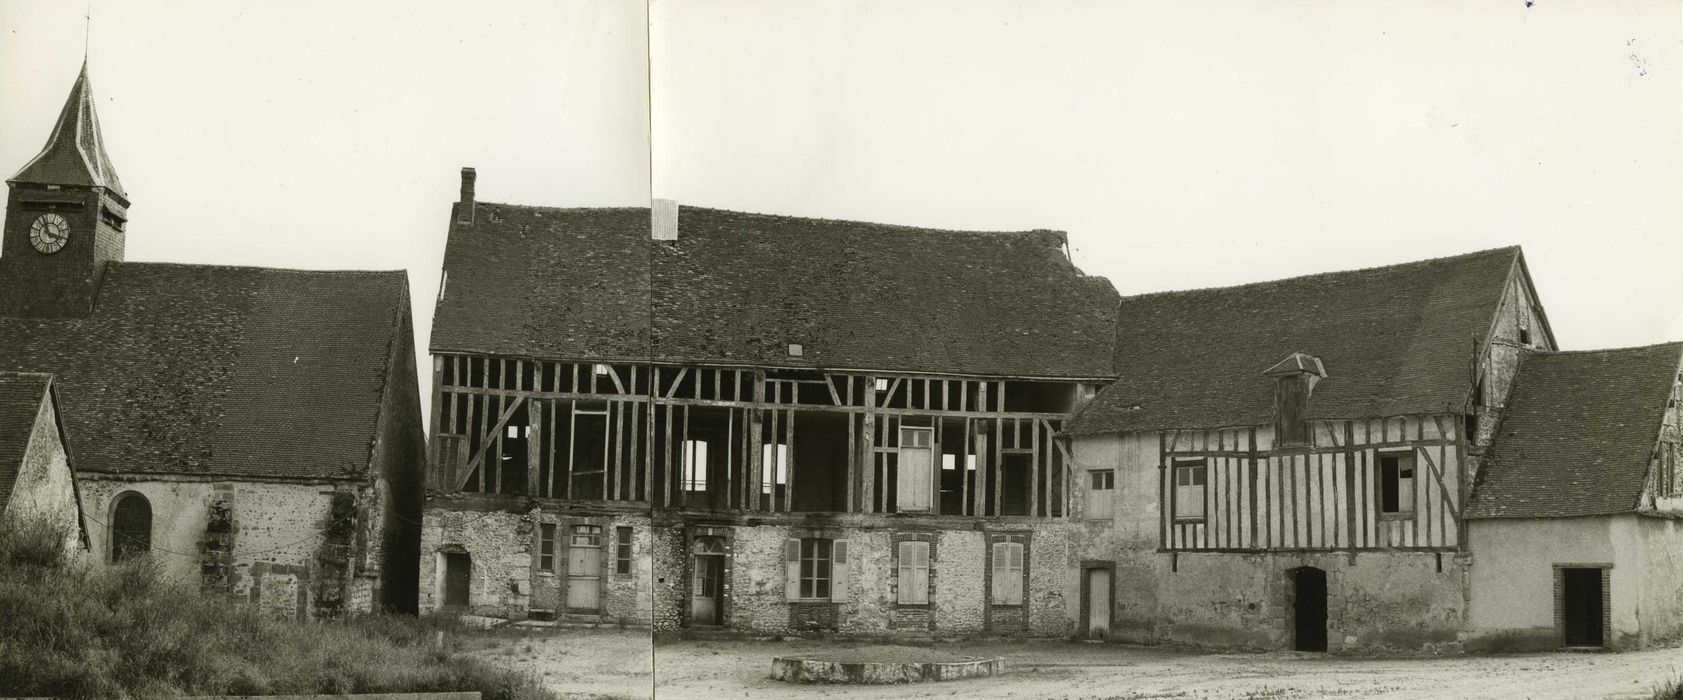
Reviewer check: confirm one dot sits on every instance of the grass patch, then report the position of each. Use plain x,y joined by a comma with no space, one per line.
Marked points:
1669,689
77,629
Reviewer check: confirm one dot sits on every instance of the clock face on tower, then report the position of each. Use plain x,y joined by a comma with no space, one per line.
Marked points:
49,233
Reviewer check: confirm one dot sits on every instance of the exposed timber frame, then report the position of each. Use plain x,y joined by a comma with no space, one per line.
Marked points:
1322,496
625,432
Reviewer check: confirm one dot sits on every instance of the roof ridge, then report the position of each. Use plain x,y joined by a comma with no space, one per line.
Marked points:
1490,252
791,217
1677,344
258,268
546,207
904,227
5,373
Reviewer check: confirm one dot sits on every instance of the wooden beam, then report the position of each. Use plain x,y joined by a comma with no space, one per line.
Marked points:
677,381
479,456
835,397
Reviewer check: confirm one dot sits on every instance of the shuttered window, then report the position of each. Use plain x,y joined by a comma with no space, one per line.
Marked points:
1007,573
1190,481
816,569
914,573
1101,485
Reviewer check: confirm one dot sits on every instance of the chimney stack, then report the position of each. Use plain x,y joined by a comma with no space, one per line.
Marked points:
663,220
464,208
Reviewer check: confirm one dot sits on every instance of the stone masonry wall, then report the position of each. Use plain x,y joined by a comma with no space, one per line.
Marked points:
757,597
44,488
506,578
278,531
1375,601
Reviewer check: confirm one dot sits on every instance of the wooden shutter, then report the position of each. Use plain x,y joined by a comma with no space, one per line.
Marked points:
839,571
792,569
1017,573
1001,572
914,573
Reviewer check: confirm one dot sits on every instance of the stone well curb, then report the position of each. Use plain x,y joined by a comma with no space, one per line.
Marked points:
795,669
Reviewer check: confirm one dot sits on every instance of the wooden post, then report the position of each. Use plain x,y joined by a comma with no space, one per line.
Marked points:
867,447
534,446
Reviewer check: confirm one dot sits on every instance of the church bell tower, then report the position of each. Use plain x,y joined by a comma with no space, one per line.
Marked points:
65,215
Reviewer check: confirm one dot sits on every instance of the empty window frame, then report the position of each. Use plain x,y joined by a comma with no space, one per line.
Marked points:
815,568
546,546
913,569
695,465
1101,485
1007,564
1191,479
774,467
1396,484
622,550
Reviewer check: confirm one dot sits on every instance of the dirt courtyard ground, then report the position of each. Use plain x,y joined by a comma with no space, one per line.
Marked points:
617,664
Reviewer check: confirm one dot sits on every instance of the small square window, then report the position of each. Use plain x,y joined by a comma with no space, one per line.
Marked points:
602,370
882,384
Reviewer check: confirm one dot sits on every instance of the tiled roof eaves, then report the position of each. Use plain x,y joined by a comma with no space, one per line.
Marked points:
1508,486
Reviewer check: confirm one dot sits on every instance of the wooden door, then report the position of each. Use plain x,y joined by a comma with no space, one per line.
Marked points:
914,469
458,572
1098,603
584,569
707,591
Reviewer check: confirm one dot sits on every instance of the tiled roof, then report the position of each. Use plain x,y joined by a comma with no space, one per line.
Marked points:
21,395
740,288
75,152
1393,340
1577,433
244,372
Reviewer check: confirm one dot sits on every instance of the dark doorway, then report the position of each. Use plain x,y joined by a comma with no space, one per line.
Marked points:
131,527
458,570
1581,596
1309,609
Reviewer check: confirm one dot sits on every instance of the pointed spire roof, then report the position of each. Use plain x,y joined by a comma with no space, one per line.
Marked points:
75,153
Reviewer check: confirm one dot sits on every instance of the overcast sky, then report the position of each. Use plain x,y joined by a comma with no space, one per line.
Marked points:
1180,144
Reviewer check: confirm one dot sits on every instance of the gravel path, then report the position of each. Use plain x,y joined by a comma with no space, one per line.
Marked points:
1066,670
622,664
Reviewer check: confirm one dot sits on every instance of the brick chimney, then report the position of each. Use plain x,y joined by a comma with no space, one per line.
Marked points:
464,208
663,220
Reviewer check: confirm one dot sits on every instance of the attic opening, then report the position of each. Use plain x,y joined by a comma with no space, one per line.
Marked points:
1294,383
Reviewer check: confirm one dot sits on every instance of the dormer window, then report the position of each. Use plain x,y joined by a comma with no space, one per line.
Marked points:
1294,380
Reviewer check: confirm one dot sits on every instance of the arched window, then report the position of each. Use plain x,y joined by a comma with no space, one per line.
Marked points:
131,526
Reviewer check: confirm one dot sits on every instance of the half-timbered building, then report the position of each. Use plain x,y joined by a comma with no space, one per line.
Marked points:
687,417
255,429
1286,464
